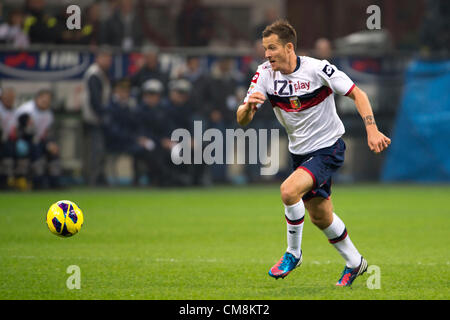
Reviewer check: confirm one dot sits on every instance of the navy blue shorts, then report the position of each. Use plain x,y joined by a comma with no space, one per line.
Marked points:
321,165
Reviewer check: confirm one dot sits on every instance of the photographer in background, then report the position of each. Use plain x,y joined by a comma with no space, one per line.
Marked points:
37,154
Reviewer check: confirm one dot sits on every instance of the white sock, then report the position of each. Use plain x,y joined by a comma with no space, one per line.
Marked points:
338,237
294,215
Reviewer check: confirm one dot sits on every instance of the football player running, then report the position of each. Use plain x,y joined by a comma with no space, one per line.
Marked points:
301,90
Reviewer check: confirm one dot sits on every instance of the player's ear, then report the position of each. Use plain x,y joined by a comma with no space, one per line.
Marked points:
290,46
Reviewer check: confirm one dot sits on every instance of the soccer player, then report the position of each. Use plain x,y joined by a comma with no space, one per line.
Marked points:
301,90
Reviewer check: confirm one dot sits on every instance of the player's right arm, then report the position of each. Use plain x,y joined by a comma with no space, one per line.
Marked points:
256,95
246,111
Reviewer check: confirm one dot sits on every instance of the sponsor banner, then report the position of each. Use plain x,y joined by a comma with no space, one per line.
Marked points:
56,65
44,65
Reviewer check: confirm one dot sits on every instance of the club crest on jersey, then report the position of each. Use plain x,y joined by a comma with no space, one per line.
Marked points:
255,77
295,103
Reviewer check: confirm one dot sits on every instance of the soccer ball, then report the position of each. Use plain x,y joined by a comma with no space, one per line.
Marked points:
64,218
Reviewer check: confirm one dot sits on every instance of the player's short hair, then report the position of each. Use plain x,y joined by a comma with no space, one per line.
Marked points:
284,30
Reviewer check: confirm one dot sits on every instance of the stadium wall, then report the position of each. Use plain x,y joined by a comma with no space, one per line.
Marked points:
421,146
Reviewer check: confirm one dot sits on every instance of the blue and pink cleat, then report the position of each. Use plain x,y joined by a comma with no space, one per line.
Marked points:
287,263
350,274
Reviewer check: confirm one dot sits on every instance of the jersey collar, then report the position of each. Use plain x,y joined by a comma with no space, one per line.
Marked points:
298,64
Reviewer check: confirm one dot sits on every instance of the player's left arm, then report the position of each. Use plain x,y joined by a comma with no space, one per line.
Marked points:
376,140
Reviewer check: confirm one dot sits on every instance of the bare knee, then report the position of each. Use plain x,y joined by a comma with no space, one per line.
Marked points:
289,194
295,186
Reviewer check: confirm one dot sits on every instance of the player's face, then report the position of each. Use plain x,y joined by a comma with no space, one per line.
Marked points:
276,52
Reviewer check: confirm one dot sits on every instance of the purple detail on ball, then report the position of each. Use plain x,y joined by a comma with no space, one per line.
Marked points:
57,224
64,206
73,215
65,232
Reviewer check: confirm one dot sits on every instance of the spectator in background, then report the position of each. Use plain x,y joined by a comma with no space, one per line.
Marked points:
270,15
108,8
258,57
123,29
89,33
181,115
12,33
150,69
36,151
39,25
194,26
98,91
7,99
323,49
434,32
121,123
91,27
154,135
193,71
223,92
179,108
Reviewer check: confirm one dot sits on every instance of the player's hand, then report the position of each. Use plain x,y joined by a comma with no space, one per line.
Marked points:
256,98
377,141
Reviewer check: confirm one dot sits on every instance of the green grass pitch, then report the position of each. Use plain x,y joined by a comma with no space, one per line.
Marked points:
219,243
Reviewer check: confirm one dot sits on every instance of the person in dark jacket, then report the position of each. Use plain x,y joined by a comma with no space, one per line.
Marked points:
120,121
153,160
123,29
121,126
195,72
150,68
182,116
223,91
39,25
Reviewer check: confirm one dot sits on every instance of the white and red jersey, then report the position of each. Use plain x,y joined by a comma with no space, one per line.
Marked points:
303,101
40,120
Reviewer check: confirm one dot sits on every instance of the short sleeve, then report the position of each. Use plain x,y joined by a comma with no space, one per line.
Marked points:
257,85
334,78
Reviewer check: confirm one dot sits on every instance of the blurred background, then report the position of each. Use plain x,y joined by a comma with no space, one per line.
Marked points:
97,105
